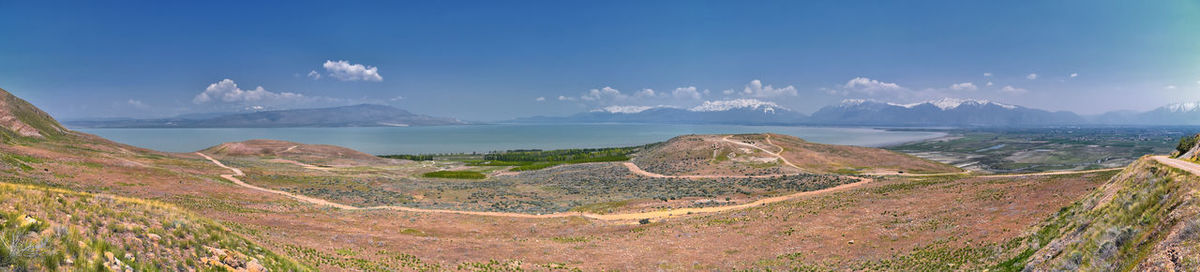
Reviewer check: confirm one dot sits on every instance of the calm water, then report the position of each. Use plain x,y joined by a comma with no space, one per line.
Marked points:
483,138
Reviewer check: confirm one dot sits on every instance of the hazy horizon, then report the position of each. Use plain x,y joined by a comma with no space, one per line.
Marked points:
491,61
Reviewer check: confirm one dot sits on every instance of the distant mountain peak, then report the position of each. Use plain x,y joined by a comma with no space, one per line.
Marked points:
726,105
629,109
946,103
952,103
707,106
1183,107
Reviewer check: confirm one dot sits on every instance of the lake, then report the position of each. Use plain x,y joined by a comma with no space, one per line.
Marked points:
483,138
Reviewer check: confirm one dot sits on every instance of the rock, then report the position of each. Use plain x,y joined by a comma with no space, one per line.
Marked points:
254,266
28,220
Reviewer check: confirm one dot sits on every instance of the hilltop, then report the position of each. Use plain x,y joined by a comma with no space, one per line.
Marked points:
767,154
311,153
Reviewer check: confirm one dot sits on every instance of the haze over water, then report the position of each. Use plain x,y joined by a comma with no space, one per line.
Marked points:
484,138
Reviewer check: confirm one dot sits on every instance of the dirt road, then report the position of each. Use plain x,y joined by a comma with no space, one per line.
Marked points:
627,217
614,217
1191,167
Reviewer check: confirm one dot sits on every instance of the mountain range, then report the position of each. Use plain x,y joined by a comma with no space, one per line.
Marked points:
364,115
941,112
738,111
950,112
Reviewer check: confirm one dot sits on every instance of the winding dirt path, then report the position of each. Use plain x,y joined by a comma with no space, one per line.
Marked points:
776,154
629,217
238,172
639,171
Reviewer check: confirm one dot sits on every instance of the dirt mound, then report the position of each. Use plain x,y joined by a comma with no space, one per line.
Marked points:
765,154
308,153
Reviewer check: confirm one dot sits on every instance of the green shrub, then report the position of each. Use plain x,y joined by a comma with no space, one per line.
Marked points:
455,175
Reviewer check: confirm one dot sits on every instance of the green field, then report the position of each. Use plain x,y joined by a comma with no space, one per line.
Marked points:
1045,149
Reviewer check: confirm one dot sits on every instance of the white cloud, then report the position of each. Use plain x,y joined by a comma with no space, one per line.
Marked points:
686,92
870,86
397,98
989,83
564,98
1013,90
1169,87
137,104
727,92
965,86
540,99
1074,75
344,71
314,75
227,91
1031,76
603,94
987,74
756,89
645,93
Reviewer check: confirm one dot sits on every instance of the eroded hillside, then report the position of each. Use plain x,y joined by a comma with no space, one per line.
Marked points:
1143,219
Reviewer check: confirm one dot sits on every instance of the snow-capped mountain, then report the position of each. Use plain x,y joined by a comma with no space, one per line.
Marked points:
736,111
1178,114
941,112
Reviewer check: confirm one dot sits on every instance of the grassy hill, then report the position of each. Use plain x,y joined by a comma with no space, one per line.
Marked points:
53,229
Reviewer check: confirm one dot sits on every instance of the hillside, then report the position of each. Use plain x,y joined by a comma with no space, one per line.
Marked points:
54,229
309,153
1147,218
21,119
364,115
755,154
49,222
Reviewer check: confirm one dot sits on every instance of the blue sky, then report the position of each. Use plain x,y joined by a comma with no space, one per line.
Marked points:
493,60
